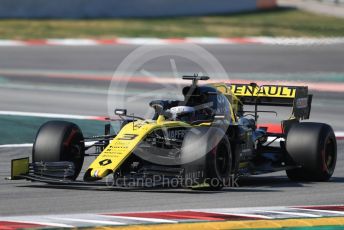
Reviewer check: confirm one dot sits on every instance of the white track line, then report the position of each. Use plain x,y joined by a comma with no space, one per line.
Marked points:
141,41
87,144
17,145
11,43
72,42
298,41
238,214
339,134
195,40
320,210
153,220
88,221
290,213
49,115
207,40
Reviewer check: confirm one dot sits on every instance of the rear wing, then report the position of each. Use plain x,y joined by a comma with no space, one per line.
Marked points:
296,97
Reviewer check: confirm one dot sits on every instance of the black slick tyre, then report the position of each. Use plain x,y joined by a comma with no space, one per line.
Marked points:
211,147
60,141
313,147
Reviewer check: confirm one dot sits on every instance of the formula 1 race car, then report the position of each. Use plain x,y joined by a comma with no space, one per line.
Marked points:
209,138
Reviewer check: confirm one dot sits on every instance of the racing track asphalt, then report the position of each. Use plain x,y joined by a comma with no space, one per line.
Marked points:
19,197
234,58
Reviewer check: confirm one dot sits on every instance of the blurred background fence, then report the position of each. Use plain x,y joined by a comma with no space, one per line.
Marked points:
339,2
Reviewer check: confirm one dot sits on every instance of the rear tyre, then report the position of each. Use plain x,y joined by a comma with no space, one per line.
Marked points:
60,141
312,146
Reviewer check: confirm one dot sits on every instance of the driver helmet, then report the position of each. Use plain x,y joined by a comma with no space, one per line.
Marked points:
183,113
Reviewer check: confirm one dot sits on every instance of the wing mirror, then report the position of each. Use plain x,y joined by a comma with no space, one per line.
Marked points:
121,112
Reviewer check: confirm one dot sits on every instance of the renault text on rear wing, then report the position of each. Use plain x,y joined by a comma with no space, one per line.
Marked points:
275,95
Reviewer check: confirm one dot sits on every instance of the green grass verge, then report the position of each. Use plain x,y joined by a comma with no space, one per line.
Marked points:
292,23
20,129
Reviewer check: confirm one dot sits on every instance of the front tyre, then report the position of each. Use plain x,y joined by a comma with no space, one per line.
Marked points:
312,146
210,149
219,164
60,141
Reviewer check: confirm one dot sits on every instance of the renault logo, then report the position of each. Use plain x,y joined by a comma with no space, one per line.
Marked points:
105,162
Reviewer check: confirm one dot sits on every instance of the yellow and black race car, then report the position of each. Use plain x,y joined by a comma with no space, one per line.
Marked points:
207,139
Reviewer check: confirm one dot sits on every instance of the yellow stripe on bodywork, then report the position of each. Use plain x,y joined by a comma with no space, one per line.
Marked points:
248,224
124,143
